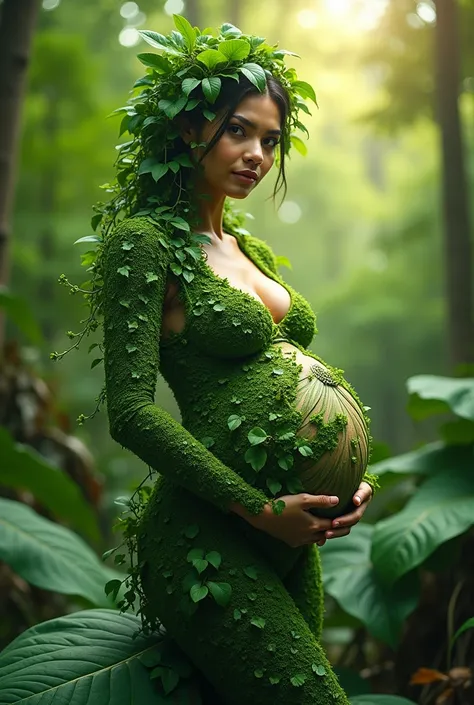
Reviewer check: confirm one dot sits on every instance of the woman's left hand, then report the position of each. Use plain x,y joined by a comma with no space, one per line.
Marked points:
341,526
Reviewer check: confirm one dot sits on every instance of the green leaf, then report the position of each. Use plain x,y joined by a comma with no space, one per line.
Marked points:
273,485
88,238
305,90
234,422
151,277
237,614
297,680
208,114
159,170
192,103
91,656
255,75
208,442
191,531
256,436
221,592
428,460
49,555
468,624
306,451
124,271
19,313
158,41
211,88
189,84
228,28
294,485
235,49
154,61
433,395
200,564
319,669
251,572
441,508
172,107
198,592
274,680
350,579
258,622
195,554
186,29
299,145
286,462
214,558
23,468
96,362
211,58
256,456
377,699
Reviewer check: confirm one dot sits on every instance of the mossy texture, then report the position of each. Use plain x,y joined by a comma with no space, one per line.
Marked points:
230,377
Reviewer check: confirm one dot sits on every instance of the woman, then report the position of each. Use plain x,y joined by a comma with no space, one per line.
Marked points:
227,542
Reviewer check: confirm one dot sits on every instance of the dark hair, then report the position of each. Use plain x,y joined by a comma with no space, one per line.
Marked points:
230,96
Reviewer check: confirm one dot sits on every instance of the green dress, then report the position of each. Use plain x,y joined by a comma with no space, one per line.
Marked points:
256,632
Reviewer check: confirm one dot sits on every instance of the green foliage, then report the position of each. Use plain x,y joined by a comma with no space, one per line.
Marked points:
378,699
20,314
50,556
89,657
23,468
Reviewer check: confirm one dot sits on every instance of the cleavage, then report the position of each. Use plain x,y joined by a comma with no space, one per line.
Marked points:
229,262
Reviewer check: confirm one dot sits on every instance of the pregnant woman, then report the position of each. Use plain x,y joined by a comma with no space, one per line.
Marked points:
271,454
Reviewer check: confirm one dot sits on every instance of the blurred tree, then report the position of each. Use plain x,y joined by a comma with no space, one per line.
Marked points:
17,23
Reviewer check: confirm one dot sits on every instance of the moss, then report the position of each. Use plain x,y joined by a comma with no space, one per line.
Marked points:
227,351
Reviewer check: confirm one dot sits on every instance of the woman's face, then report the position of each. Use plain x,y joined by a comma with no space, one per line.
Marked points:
247,145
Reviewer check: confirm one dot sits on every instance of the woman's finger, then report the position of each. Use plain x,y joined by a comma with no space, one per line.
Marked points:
337,533
363,494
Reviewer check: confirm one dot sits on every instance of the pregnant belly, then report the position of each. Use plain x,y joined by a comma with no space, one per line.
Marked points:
334,424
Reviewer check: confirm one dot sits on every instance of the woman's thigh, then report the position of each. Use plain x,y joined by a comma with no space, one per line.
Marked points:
257,647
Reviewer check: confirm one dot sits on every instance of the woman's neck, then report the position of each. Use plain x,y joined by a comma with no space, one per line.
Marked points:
210,209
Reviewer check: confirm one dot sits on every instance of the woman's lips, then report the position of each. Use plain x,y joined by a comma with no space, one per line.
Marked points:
244,179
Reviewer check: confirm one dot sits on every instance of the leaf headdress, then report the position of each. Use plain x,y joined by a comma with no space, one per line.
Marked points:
193,69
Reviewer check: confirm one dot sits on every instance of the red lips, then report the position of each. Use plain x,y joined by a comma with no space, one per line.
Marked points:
248,173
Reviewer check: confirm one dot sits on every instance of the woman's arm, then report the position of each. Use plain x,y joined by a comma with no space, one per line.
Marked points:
135,268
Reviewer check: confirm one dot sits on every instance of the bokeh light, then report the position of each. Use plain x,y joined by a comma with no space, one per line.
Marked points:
426,11
129,10
307,19
174,7
129,37
290,212
50,4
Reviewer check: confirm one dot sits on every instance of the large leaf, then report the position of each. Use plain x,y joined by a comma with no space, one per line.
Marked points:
350,579
23,468
49,555
20,314
443,507
428,460
433,395
87,658
378,699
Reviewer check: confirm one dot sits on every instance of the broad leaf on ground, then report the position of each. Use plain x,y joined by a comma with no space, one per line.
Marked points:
433,395
50,556
428,460
441,508
350,579
23,468
85,658
378,699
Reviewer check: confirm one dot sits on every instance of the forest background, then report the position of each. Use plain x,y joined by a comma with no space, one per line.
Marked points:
367,226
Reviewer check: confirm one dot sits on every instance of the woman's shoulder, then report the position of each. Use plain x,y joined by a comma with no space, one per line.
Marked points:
137,228
260,250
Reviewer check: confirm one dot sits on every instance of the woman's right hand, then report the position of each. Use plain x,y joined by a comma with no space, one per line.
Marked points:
296,526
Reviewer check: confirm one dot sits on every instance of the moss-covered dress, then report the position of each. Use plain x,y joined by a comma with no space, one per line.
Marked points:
245,607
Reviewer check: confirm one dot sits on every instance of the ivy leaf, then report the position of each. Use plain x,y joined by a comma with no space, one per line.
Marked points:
256,456
211,87
274,679
200,564
294,485
285,434
169,679
159,170
214,558
318,669
305,90
251,572
184,160
219,307
221,592
176,269
277,371
258,673
237,614
191,531
278,507
124,271
192,103
256,436
234,421
297,680
258,622
96,362
305,450
128,246
194,554
189,276
151,277
273,485
132,325
198,593
286,462
189,84
255,75
208,442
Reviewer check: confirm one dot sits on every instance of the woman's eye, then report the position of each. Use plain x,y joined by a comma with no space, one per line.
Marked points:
272,142
235,129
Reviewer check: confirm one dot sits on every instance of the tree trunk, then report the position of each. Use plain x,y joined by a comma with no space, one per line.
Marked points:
17,23
457,244
234,12
193,13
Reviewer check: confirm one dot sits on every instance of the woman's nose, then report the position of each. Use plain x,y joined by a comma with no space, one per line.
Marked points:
254,153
